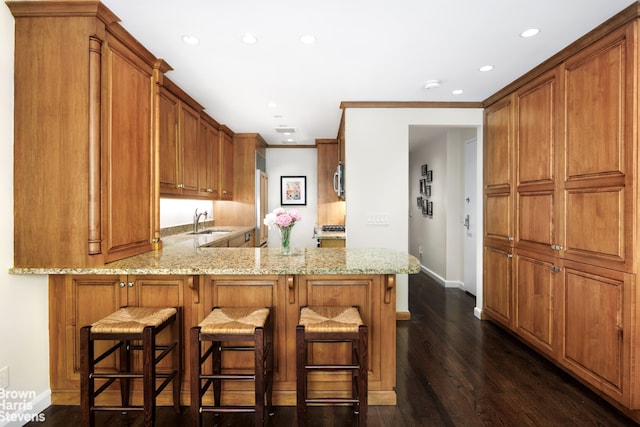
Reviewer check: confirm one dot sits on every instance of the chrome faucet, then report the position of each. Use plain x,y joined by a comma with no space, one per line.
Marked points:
196,219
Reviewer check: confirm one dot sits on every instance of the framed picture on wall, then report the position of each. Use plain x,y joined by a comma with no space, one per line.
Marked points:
430,209
427,190
429,175
293,190
420,202
424,170
425,204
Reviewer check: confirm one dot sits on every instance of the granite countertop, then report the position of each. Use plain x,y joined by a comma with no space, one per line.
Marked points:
331,235
185,254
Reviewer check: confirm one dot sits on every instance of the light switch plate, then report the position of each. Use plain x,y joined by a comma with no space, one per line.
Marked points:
377,219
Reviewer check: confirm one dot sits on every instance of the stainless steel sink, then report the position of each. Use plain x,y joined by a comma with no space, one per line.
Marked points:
212,232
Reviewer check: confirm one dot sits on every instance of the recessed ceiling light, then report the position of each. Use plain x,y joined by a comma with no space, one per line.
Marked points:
486,68
249,38
432,84
272,105
190,39
307,39
529,33
457,92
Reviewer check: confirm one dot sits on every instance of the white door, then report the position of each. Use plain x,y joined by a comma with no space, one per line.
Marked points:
470,205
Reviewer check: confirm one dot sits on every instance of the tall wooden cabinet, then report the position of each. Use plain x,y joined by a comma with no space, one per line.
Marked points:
83,151
250,203
563,145
331,208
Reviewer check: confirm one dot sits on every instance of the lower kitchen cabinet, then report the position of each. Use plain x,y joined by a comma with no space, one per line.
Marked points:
598,330
497,284
78,300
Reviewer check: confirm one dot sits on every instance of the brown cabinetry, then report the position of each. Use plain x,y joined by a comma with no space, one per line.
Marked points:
226,157
80,300
249,205
82,138
208,157
178,140
570,288
331,208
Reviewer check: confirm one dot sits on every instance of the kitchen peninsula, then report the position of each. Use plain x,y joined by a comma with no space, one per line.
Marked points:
187,272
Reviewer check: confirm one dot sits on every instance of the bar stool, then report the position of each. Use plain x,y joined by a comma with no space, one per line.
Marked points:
134,328
232,329
332,325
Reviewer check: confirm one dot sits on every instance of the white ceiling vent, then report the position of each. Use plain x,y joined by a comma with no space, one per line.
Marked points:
286,130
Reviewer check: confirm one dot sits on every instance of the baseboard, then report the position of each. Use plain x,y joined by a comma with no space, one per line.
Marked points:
403,315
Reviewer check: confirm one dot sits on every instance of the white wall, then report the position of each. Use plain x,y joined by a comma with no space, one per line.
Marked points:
24,323
294,162
441,236
377,170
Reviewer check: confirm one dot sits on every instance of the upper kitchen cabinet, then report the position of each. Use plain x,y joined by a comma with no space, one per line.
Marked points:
249,203
83,143
209,156
178,129
226,158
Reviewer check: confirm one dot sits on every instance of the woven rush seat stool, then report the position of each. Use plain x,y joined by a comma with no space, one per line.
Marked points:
232,329
332,325
133,328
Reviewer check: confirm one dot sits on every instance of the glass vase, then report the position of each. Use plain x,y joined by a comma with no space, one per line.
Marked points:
285,236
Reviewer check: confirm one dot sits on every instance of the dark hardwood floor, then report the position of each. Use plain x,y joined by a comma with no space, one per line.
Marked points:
453,370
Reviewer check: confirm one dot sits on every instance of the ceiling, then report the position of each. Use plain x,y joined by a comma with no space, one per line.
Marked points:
365,50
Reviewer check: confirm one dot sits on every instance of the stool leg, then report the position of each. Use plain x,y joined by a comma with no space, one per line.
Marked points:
149,376
363,375
259,376
125,366
177,358
196,384
301,376
216,358
270,356
86,381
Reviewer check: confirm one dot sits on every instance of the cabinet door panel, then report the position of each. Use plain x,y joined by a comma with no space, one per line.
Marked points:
263,291
168,142
90,298
596,84
536,128
536,219
593,340
498,217
498,144
189,125
127,154
326,291
595,224
497,284
535,312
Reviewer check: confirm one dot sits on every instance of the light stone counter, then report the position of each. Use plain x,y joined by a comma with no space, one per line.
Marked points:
185,254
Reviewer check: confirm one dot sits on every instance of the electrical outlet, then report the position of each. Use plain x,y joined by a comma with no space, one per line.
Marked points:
420,251
4,377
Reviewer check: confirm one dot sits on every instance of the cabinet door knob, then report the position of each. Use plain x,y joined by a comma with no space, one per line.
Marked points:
130,284
122,285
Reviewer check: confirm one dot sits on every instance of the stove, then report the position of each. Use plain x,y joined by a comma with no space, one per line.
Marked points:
333,228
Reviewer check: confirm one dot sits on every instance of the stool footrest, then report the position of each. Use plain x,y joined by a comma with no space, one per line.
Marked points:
117,408
228,377
333,400
228,409
331,367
